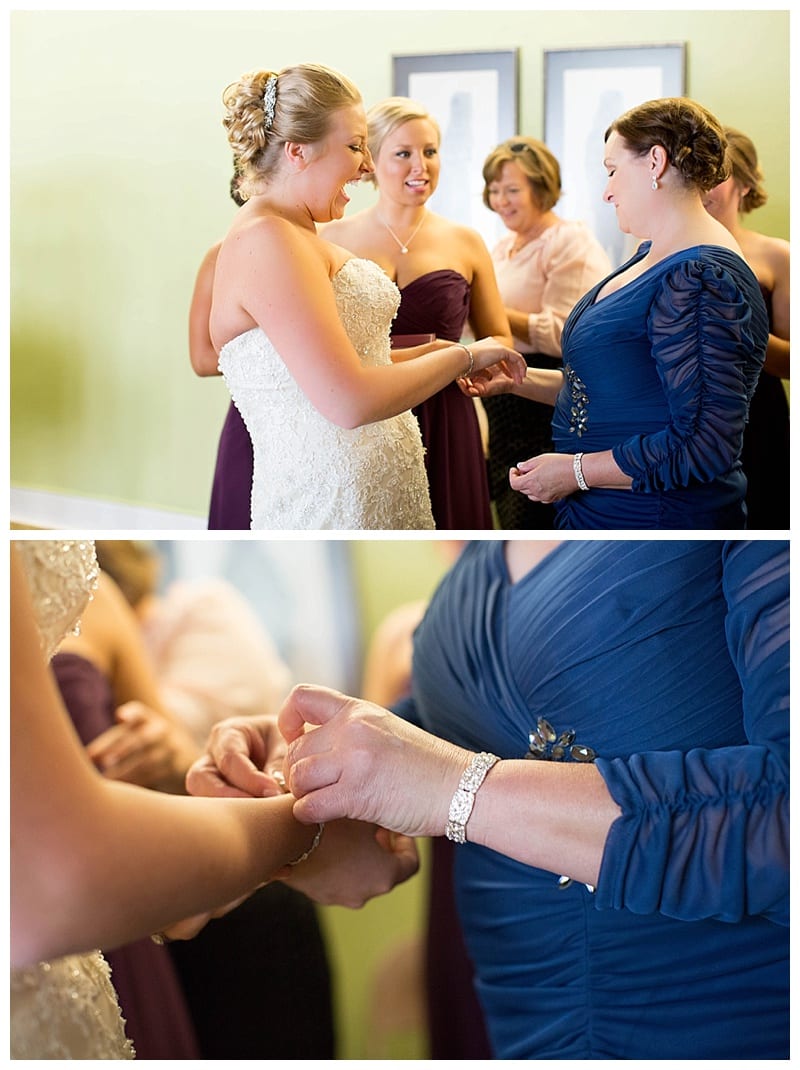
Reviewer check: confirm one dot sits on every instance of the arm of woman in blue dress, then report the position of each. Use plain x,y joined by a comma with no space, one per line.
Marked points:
98,863
695,834
271,275
708,347
549,476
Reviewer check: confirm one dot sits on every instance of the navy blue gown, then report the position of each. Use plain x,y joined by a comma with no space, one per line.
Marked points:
661,372
670,660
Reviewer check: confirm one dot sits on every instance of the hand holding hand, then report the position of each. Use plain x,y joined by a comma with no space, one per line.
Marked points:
546,478
489,382
143,748
365,763
354,862
489,353
240,754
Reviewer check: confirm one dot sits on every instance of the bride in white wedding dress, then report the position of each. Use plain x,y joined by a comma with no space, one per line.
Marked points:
97,862
302,328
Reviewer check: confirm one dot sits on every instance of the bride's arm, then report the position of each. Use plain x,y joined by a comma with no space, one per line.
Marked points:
95,863
280,280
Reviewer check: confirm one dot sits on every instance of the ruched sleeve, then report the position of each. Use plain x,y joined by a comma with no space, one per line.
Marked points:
708,341
705,834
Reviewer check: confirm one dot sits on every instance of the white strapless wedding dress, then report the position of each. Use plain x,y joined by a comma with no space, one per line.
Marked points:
67,1008
307,472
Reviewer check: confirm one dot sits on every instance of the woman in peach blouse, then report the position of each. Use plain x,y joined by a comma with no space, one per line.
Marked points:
543,266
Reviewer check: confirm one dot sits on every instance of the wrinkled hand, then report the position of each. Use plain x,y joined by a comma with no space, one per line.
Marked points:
141,748
546,478
241,755
354,863
365,763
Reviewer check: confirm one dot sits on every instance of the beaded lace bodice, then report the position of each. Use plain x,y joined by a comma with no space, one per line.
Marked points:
61,575
309,473
65,1009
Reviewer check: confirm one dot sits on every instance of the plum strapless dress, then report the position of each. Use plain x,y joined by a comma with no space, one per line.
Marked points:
438,303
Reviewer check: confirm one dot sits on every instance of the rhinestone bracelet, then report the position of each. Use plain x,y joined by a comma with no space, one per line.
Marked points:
464,798
577,468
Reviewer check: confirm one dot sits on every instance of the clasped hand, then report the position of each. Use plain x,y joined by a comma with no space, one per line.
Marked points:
356,860
493,360
360,761
546,478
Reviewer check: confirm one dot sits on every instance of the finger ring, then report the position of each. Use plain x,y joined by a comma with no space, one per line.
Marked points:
160,939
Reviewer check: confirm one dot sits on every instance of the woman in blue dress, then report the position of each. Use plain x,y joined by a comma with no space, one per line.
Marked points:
623,883
662,357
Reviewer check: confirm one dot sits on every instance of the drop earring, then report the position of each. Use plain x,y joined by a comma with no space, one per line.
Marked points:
654,184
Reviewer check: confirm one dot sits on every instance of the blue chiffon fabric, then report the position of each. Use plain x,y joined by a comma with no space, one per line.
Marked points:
670,660
661,372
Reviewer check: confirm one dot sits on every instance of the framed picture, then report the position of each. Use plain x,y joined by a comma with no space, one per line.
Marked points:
473,97
584,90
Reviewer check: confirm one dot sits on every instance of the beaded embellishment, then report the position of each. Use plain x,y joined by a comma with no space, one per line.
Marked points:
578,413
547,745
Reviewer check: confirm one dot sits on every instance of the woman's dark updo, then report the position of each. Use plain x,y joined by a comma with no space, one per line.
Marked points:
693,139
306,96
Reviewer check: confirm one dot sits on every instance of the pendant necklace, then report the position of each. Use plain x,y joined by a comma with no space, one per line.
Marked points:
403,245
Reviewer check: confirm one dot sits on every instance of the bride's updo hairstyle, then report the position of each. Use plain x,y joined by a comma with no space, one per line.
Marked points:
265,109
386,116
693,139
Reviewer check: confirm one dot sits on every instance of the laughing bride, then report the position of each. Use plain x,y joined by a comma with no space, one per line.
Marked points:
302,327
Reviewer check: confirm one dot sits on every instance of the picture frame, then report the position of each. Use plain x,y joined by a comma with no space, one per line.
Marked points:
585,89
474,97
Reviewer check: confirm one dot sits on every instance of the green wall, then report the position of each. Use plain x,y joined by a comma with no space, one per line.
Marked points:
388,573
119,177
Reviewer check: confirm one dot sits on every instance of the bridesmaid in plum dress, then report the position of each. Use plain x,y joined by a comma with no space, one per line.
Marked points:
229,509
766,441
446,280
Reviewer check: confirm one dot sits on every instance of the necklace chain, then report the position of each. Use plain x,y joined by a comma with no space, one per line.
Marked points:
403,246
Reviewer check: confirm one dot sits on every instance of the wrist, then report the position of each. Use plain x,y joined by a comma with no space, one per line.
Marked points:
312,846
471,361
280,780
